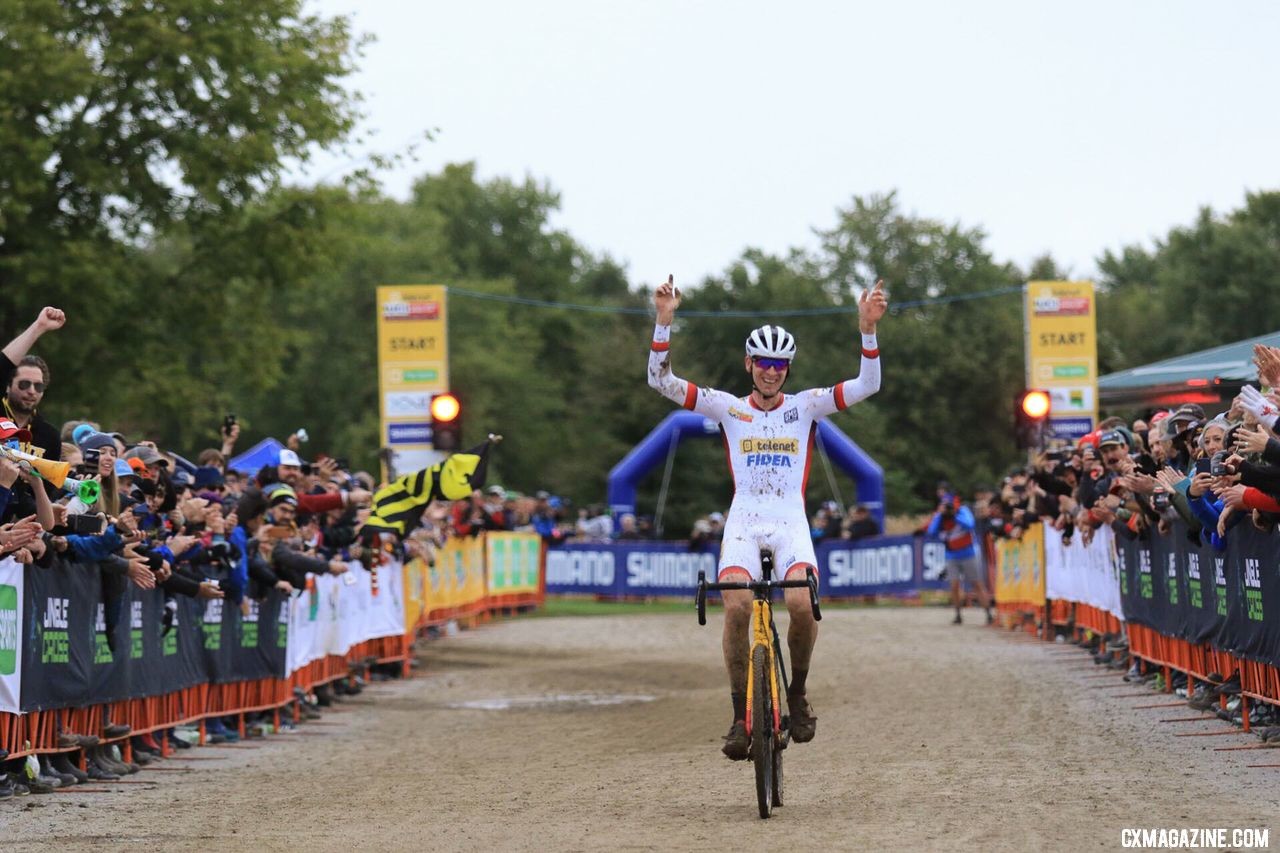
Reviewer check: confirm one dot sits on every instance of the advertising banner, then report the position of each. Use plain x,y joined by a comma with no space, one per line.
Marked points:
1020,569
413,364
512,560
1062,352
879,565
1085,574
11,589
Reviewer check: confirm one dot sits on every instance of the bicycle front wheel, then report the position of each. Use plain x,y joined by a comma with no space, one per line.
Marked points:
762,740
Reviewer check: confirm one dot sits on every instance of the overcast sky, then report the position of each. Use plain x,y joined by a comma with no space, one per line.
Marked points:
679,133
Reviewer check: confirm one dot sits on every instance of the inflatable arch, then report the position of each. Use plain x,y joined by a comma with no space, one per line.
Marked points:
678,426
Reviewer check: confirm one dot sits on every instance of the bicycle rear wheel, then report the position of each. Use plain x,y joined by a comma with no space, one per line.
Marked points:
762,740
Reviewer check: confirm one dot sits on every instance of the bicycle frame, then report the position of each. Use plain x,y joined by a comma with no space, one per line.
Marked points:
763,630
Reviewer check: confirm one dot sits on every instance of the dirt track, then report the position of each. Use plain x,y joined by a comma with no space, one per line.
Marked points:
930,736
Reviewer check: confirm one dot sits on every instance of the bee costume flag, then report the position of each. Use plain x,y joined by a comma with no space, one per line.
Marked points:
398,507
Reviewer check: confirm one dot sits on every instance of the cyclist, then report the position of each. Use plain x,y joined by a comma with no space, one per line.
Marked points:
768,436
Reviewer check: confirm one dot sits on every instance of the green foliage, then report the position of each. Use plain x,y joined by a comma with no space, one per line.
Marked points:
1205,284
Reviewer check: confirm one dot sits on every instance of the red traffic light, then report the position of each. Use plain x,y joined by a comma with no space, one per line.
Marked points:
444,408
1035,404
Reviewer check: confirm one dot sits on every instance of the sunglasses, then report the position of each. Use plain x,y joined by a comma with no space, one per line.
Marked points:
778,364
25,385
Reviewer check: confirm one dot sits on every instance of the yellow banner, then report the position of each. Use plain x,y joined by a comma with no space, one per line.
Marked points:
413,364
1020,568
457,578
514,561
1062,352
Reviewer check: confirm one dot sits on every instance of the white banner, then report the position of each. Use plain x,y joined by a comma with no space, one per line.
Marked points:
10,635
1087,575
339,613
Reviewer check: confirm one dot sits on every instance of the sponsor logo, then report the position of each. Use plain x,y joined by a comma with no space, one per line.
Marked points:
770,445
8,629
872,566
791,415
409,433
1061,306
578,568
411,309
668,568
745,417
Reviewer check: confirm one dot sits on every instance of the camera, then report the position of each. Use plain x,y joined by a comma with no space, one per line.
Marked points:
1160,501
228,422
1218,466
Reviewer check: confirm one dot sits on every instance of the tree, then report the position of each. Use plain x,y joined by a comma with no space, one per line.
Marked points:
146,115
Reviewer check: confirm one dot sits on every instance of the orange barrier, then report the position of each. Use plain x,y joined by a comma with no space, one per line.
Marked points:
467,601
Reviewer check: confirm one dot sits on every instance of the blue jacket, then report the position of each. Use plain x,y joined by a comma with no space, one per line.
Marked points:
958,548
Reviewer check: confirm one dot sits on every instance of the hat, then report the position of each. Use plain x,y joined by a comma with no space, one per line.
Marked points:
78,434
139,467
1189,411
542,494
289,457
283,495
207,476
716,516
181,479
1112,437
8,429
554,502
496,490
124,469
149,455
94,440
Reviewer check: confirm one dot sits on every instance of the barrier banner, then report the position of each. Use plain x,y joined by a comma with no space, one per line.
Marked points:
1201,595
415,593
11,590
879,565
1020,569
512,561
336,612
1086,574
89,639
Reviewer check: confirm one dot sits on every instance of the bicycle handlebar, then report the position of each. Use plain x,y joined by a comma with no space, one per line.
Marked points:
810,581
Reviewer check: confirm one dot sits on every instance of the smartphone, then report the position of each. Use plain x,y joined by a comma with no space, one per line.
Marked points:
86,524
1203,465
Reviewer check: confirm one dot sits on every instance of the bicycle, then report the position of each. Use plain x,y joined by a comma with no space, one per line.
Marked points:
767,726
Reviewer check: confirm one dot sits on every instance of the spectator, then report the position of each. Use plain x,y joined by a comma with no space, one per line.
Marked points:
954,522
594,524
859,524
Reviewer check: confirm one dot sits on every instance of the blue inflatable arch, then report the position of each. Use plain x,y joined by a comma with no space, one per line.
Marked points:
678,426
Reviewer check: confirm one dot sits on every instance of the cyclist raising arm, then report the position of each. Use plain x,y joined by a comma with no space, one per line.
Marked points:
769,439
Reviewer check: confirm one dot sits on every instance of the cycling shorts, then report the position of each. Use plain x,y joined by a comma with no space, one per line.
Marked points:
748,531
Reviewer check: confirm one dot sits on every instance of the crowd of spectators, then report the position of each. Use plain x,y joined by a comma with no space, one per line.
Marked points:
140,514
1210,471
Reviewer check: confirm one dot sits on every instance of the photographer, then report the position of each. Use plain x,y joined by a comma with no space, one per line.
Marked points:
954,523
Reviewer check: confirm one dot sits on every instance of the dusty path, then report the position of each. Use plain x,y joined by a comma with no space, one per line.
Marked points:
930,737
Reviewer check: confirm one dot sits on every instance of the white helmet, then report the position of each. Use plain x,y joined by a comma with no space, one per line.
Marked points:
771,342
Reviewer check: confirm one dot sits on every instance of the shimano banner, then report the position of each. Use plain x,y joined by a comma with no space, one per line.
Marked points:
883,565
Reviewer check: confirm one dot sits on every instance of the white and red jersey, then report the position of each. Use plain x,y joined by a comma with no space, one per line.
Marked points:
769,452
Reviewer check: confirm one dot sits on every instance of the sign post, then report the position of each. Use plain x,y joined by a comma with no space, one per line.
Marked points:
413,364
1062,352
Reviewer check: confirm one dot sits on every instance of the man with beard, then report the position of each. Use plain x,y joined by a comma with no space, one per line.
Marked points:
26,379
